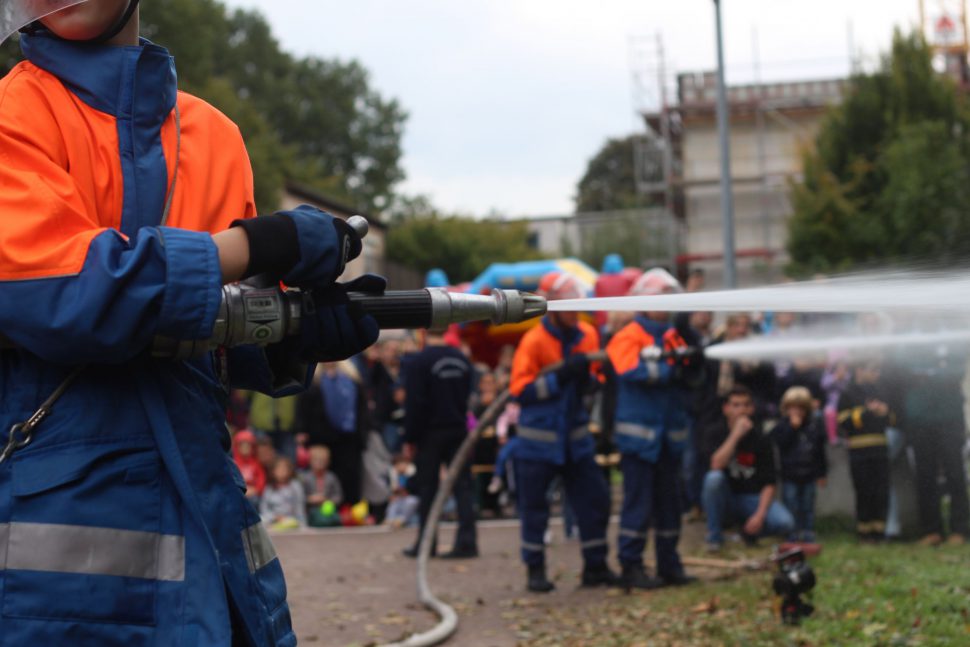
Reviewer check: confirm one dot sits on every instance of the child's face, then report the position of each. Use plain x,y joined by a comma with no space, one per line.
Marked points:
797,415
282,472
319,460
245,449
86,20
265,454
487,383
868,373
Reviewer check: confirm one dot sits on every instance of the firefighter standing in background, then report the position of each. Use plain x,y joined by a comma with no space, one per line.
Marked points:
123,519
654,365
554,438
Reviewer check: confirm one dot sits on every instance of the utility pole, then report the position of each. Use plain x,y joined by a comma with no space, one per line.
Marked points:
723,127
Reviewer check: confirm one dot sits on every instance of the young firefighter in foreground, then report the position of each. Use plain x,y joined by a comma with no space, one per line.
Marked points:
554,438
122,517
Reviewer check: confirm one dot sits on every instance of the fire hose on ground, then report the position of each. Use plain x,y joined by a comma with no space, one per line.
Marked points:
449,618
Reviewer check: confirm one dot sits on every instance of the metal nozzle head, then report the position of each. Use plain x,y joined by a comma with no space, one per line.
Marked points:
360,225
512,306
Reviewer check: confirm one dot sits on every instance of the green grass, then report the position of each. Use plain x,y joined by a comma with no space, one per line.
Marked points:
898,594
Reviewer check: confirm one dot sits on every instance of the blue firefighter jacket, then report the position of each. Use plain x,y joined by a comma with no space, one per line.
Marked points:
553,424
652,403
124,521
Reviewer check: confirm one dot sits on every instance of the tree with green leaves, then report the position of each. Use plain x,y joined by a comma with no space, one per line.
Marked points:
889,176
627,233
462,247
609,183
313,120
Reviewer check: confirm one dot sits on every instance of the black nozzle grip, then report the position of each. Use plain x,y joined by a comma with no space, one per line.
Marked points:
396,308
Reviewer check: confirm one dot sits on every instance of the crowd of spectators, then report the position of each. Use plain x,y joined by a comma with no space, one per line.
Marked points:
756,458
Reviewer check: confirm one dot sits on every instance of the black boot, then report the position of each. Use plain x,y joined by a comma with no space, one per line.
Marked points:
537,582
412,551
599,575
677,579
635,577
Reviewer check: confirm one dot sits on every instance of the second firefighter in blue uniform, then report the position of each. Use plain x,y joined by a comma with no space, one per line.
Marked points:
653,363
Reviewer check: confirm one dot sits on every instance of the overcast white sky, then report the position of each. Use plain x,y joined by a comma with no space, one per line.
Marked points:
508,99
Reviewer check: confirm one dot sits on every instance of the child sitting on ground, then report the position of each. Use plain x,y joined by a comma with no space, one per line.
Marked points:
801,438
283,503
321,486
402,511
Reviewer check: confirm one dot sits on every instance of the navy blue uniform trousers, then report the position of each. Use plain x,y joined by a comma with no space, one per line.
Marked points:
587,492
650,498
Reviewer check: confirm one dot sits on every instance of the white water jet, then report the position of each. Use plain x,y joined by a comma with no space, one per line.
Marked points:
779,347
888,292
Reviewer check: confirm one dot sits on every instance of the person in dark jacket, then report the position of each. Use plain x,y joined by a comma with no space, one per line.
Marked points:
864,417
800,438
720,376
740,485
438,385
933,421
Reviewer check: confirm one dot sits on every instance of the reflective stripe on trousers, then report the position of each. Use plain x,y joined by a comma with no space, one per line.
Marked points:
543,436
90,550
636,431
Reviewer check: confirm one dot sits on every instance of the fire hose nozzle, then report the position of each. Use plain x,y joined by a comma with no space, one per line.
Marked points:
518,306
499,307
266,315
437,308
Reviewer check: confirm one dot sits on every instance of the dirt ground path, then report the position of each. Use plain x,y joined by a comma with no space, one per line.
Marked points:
353,587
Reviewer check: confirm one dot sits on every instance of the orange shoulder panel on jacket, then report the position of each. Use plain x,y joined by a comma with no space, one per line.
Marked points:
57,193
215,177
536,350
590,344
624,349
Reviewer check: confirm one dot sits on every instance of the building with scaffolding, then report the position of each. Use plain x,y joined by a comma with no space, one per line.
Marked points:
771,125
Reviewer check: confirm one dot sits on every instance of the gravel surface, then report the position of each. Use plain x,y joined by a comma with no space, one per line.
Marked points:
352,586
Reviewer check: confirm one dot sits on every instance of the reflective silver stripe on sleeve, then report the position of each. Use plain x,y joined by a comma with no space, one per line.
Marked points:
593,543
579,433
542,388
539,435
637,431
259,547
89,550
679,435
667,533
625,532
536,548
4,534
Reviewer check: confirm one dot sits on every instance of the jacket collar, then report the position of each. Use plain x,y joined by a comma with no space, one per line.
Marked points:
566,336
655,329
104,77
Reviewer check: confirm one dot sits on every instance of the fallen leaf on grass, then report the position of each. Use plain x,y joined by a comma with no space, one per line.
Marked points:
872,629
706,607
852,614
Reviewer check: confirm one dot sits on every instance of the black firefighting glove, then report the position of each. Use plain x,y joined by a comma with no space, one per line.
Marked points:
574,368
